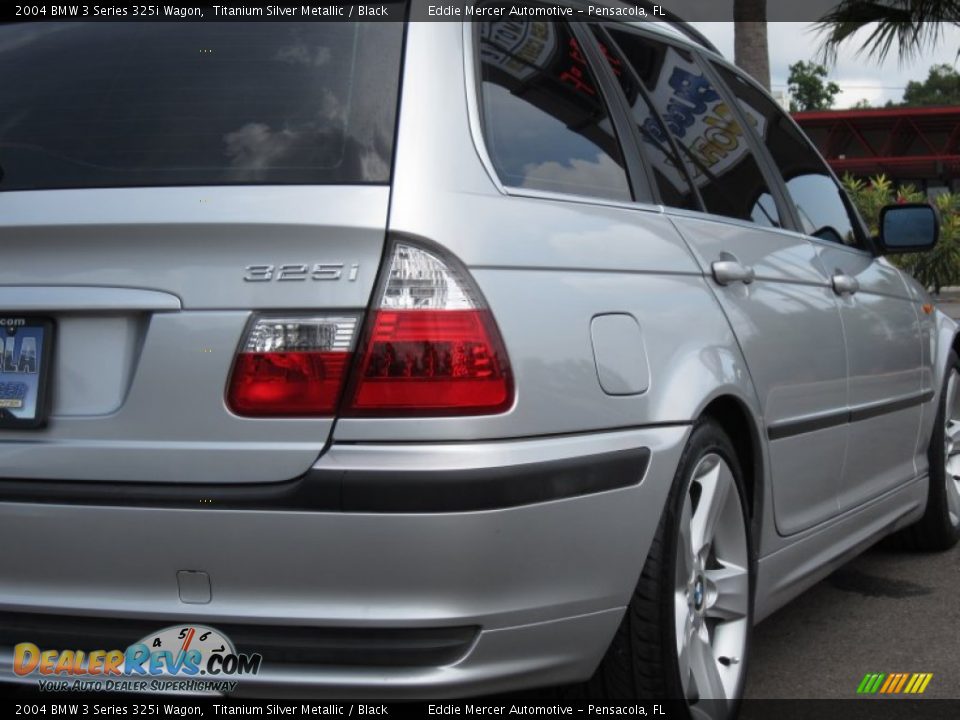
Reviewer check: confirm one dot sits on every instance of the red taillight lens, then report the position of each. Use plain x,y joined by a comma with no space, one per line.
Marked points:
292,367
431,346
431,362
287,383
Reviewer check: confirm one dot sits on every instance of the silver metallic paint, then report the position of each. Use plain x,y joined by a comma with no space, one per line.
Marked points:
547,582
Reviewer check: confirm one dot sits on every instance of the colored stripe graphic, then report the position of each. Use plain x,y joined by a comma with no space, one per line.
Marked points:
903,680
870,683
894,683
890,682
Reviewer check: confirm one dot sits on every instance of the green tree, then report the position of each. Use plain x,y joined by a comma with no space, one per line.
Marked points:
862,104
808,89
911,25
942,87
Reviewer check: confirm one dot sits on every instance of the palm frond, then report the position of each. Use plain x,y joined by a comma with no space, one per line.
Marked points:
908,25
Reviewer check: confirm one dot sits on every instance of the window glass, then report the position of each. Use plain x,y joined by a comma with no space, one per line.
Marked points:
667,167
545,122
124,104
817,197
711,141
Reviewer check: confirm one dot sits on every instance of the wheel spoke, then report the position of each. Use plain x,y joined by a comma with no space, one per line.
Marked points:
685,553
951,426
704,666
715,485
683,654
951,447
953,464
728,592
952,432
951,401
953,498
951,443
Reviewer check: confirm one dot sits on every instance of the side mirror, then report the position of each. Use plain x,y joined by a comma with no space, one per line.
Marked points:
908,228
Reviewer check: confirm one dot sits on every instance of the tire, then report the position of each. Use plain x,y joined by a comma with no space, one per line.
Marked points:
644,660
939,528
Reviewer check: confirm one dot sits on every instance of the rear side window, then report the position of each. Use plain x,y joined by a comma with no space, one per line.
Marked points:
545,123
127,104
711,142
813,191
658,151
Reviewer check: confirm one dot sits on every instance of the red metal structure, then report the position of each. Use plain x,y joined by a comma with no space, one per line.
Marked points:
910,145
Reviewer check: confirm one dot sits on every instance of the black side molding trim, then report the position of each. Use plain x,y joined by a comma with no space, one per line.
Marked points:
871,411
799,427
492,488
376,491
844,417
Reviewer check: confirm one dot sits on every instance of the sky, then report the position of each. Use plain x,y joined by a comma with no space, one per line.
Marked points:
859,77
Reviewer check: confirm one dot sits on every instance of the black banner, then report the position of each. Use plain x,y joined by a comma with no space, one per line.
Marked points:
421,11
29,705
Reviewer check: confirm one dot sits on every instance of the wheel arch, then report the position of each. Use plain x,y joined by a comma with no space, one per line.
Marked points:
945,336
733,414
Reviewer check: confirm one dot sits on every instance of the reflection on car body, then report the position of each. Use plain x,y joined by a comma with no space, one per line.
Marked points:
605,369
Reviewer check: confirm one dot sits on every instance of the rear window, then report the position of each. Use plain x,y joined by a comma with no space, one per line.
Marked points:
132,104
545,123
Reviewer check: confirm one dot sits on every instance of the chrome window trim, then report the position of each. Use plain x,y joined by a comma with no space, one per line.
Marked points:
727,220
471,71
837,246
514,191
701,215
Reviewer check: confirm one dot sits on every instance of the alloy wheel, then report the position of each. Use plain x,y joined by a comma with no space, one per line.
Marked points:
712,589
951,441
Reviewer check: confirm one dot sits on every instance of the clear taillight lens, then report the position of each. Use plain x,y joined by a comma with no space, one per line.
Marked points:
292,366
431,346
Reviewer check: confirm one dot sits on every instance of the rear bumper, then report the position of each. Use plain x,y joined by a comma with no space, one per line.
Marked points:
541,583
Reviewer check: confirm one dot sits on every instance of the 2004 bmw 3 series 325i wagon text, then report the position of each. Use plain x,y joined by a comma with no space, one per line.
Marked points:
443,358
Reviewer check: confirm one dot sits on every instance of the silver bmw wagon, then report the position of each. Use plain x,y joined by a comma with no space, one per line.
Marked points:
442,358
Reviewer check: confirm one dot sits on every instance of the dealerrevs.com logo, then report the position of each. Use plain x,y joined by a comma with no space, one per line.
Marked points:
179,658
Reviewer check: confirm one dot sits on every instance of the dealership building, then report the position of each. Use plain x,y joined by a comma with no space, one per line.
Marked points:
919,145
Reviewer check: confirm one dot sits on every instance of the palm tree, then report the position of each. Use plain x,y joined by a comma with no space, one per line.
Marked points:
750,39
913,24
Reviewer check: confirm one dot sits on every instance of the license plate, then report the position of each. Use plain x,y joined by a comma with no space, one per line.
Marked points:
25,344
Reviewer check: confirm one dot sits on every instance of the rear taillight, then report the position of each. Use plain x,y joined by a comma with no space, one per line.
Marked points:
431,346
292,366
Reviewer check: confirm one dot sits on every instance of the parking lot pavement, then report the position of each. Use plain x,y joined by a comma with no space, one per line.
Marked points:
951,308
886,611
949,302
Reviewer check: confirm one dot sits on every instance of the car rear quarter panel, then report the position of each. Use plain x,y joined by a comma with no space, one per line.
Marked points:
546,268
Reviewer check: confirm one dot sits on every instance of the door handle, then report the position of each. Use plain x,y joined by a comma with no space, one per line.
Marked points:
729,271
844,284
